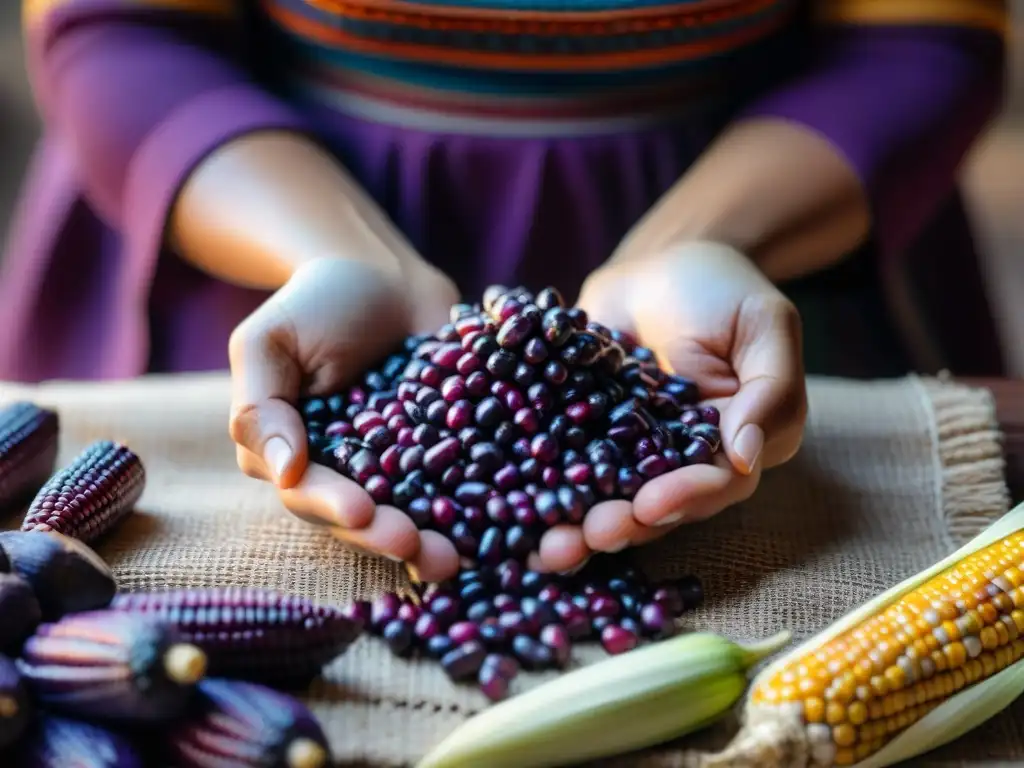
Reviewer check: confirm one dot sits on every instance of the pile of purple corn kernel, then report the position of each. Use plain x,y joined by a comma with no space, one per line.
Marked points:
517,416
489,623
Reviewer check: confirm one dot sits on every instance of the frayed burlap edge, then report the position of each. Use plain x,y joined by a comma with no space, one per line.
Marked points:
969,456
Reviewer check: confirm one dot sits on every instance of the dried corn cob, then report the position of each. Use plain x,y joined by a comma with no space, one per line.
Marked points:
639,699
56,742
106,665
65,574
253,634
914,669
241,725
28,451
14,704
19,612
91,495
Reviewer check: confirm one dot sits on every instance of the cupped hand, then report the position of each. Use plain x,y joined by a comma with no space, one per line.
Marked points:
331,320
710,315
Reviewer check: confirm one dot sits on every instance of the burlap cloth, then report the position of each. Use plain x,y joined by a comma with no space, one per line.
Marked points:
892,476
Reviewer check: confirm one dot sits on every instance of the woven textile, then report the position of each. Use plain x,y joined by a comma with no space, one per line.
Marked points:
892,476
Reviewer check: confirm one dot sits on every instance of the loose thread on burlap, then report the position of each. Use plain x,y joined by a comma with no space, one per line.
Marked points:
971,467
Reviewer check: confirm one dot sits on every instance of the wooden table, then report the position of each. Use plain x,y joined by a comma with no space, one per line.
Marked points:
1009,396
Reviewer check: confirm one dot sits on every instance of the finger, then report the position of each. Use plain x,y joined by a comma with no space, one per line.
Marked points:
562,549
390,534
610,526
436,561
327,498
692,494
765,418
265,379
251,465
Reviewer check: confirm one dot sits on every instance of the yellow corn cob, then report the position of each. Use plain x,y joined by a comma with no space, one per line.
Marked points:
912,670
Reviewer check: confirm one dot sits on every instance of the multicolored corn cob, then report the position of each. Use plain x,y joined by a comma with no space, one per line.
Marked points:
111,666
28,451
20,613
241,725
251,634
15,709
91,495
65,575
56,742
906,672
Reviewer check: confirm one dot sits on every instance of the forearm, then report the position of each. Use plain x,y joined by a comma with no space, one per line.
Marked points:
771,189
868,140
264,204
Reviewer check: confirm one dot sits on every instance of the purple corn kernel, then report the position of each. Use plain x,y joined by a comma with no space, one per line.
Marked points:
463,632
464,661
427,626
655,620
670,598
492,684
379,489
441,456
384,610
616,639
556,637
691,591
531,653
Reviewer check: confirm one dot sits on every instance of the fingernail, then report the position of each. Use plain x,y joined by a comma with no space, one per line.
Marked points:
672,519
277,453
748,444
394,559
577,569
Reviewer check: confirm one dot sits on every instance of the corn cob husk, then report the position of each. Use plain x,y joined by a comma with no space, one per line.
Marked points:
28,452
20,613
241,725
56,742
66,575
112,667
15,707
91,495
893,700
639,699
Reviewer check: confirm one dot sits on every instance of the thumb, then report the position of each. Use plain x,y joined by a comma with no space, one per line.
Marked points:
265,381
763,422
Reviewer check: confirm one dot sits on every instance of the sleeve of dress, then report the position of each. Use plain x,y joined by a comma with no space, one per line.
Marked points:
902,89
139,92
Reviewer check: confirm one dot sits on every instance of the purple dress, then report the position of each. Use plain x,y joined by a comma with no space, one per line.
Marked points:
513,141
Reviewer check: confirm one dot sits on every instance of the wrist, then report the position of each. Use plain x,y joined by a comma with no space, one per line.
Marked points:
266,203
769,189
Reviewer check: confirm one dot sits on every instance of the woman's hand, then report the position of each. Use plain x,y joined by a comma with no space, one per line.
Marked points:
710,315
330,321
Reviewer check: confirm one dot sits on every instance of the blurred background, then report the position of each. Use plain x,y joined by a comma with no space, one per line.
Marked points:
994,175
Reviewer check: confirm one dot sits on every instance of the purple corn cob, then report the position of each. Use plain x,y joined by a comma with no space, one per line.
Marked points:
56,742
111,666
15,709
91,495
19,612
28,451
241,725
65,575
252,634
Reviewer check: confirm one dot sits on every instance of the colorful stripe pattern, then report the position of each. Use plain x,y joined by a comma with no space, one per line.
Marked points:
33,11
983,14
609,38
